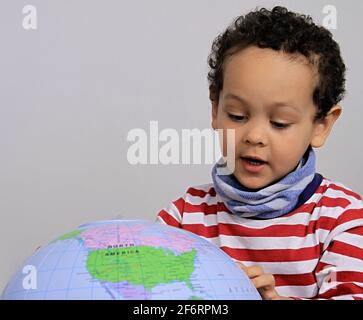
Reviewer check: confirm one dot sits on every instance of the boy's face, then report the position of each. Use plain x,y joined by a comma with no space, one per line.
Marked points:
267,99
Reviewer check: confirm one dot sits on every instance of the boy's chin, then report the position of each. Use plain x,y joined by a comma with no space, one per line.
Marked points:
253,184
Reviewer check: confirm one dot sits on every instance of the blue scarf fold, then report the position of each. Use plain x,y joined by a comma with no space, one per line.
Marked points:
270,202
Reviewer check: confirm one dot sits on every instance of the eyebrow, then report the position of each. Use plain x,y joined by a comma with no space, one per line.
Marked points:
274,104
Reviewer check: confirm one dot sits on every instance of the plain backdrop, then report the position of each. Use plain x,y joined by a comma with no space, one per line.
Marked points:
71,90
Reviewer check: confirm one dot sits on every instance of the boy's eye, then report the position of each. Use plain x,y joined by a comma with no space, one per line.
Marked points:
236,117
279,125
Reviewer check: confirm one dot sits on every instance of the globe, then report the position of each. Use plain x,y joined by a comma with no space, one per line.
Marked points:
129,260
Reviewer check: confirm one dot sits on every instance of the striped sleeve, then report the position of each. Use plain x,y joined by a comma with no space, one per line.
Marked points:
172,214
339,272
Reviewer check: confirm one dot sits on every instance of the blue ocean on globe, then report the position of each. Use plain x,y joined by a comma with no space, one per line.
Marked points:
129,260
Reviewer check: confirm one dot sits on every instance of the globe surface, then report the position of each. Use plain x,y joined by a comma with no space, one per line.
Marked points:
130,259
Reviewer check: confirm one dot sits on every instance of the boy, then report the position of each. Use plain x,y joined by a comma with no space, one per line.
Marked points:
276,79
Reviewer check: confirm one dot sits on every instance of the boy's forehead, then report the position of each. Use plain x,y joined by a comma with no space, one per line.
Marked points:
268,74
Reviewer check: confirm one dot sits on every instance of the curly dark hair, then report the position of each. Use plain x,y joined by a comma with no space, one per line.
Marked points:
282,30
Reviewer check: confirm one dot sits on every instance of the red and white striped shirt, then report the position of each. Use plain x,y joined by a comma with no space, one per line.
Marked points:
315,251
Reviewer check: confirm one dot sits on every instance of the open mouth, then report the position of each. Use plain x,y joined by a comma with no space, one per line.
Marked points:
254,162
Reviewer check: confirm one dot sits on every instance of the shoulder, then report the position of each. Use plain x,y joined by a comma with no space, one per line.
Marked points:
334,193
338,209
338,215
195,199
199,195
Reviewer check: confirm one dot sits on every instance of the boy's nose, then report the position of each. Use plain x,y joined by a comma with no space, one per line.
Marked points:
255,135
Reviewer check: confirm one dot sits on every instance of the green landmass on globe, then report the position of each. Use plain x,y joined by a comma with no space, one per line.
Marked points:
137,265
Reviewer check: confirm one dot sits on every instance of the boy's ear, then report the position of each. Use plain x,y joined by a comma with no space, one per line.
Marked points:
322,128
